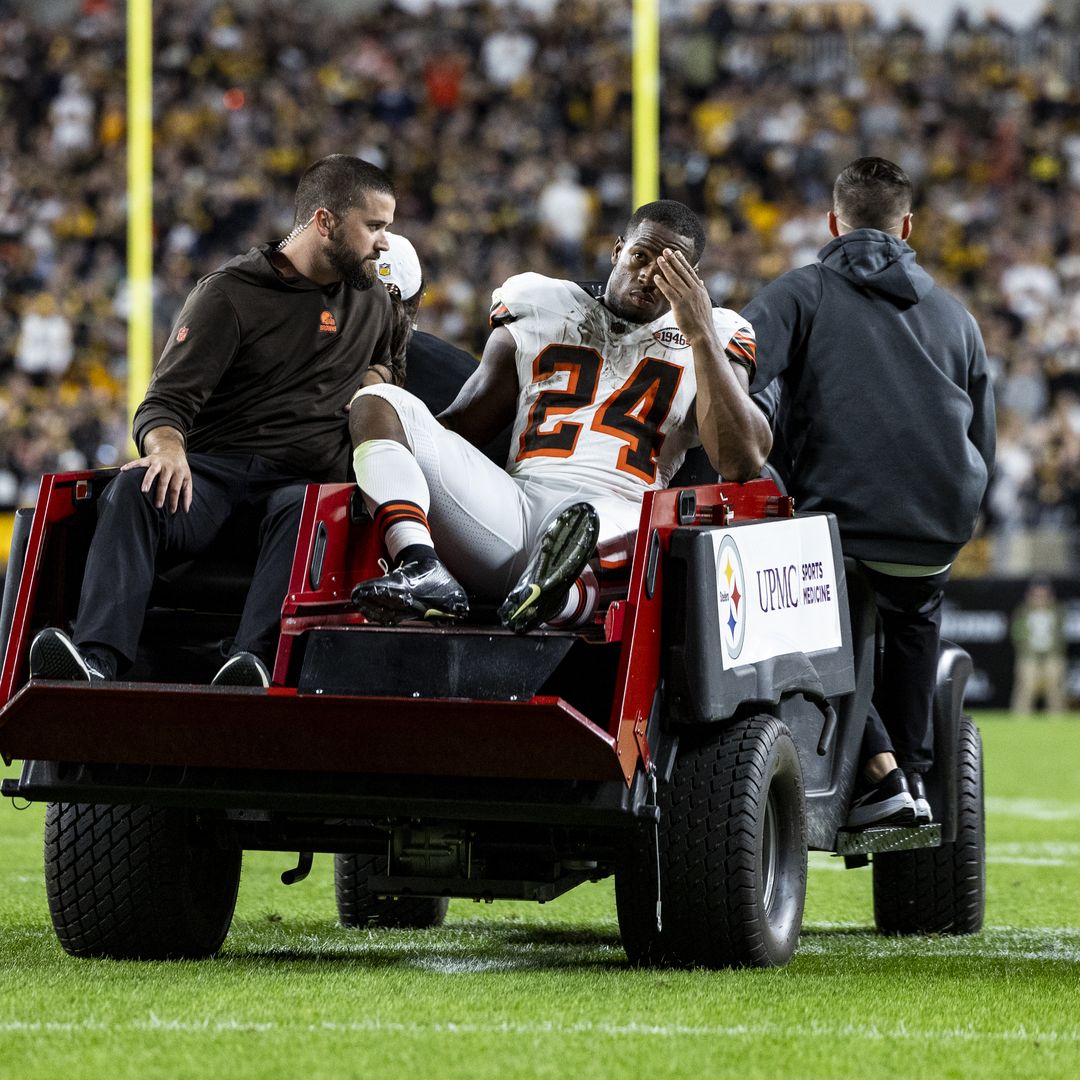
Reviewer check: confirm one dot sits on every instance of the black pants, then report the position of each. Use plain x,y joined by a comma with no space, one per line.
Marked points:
901,717
134,539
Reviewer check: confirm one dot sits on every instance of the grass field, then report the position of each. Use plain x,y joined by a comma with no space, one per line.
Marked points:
516,989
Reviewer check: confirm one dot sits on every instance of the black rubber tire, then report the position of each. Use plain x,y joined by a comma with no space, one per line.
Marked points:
128,882
735,798
359,907
940,890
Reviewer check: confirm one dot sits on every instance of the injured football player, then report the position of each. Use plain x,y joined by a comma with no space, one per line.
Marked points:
606,387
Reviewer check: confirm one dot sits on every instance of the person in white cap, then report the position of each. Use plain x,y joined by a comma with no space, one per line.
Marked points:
398,268
433,370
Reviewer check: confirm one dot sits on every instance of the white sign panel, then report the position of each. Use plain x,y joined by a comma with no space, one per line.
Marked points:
776,589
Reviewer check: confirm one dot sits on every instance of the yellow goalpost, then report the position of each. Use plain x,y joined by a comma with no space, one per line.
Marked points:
646,101
140,210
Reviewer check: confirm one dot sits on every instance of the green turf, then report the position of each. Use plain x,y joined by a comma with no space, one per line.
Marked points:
522,990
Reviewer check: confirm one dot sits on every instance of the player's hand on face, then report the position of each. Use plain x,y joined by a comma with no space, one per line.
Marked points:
168,475
685,292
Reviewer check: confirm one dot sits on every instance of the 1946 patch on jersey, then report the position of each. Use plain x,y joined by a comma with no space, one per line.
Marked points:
671,337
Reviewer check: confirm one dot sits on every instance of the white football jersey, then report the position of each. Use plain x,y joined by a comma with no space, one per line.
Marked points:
602,402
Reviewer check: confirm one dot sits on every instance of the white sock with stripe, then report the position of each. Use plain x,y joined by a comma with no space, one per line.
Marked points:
581,601
395,493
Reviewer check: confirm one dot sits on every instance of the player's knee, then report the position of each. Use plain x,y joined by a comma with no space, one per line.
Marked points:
374,414
371,402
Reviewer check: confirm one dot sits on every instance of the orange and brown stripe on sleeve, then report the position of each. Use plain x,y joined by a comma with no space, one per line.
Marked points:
498,315
742,349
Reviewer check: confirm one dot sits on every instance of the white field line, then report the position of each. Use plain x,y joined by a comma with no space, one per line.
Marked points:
463,954
876,950
1041,853
823,860
1016,933
465,965
860,1032
829,862
1053,943
1034,809
461,951
1057,848
1022,860
1038,853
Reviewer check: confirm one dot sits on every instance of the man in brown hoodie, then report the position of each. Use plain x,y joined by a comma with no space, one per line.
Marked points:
246,405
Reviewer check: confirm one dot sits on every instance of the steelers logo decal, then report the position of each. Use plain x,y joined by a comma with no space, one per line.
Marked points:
731,597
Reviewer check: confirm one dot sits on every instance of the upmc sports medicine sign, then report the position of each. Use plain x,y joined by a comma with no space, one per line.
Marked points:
776,590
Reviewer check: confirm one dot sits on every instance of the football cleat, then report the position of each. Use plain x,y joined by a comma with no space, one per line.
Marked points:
888,802
243,669
565,548
923,814
53,655
421,589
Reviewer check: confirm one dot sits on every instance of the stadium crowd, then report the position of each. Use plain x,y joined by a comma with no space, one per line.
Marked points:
507,131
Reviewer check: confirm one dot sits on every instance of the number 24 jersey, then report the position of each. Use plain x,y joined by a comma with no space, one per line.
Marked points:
604,404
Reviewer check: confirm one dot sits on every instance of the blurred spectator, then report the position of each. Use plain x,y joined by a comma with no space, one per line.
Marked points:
565,211
1038,635
1030,284
1023,388
1011,496
46,348
72,116
507,53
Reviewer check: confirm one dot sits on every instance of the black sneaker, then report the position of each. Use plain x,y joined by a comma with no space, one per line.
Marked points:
888,802
923,814
565,548
243,669
53,655
421,589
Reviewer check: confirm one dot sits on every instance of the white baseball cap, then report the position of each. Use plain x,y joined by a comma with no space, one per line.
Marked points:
400,266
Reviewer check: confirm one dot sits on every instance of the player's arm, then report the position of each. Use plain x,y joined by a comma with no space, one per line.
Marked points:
486,403
378,375
387,364
734,432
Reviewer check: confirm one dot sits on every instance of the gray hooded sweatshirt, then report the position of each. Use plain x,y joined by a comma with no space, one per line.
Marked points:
882,405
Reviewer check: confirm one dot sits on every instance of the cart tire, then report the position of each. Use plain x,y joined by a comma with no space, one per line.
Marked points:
940,890
732,837
359,907
134,882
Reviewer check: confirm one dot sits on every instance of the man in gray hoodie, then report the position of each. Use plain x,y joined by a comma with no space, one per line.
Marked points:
877,384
